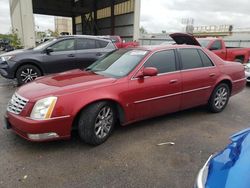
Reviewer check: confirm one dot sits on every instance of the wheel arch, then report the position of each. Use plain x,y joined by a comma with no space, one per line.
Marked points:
241,58
118,107
225,81
29,63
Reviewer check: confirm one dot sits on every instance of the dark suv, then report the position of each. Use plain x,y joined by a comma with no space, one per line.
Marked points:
57,55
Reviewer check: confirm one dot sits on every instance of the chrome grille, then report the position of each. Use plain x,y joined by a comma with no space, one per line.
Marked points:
16,104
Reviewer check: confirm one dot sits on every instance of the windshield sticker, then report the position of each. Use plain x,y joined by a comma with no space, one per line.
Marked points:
138,52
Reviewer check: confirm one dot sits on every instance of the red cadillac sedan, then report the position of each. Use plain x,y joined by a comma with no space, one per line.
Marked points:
126,86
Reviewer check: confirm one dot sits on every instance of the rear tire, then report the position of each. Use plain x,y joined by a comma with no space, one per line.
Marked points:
96,123
219,98
27,73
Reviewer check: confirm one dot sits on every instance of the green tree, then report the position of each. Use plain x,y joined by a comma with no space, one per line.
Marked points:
143,30
13,38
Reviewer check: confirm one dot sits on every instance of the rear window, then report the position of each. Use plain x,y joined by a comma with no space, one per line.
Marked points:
101,44
83,44
205,59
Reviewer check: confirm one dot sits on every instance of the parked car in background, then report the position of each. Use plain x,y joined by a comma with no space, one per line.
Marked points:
247,72
230,168
57,55
121,43
216,45
8,48
45,39
126,86
5,45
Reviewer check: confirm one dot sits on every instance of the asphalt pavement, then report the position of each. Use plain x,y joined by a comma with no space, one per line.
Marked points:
130,158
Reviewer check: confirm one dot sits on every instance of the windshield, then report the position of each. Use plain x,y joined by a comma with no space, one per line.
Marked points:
45,44
203,43
119,63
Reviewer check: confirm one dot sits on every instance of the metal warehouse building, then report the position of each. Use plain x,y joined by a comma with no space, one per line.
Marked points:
89,17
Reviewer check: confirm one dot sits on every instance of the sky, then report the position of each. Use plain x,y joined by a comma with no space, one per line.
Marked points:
159,15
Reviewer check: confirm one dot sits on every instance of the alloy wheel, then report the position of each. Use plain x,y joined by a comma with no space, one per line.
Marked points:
221,98
28,75
103,122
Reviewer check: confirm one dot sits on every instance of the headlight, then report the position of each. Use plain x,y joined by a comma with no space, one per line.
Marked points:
6,58
43,108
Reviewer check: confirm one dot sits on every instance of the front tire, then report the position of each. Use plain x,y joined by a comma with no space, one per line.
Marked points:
96,123
27,73
219,98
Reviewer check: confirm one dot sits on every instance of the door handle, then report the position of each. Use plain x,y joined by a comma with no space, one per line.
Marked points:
71,55
212,75
98,54
173,81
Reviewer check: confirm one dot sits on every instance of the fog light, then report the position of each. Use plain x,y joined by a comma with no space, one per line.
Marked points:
43,136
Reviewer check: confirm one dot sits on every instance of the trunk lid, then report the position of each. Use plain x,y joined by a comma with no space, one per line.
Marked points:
184,38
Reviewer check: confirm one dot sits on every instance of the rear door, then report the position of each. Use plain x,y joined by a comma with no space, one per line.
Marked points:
62,58
198,74
157,95
90,50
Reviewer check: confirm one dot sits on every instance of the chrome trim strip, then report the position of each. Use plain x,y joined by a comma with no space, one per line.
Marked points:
59,117
156,98
171,95
200,68
239,80
198,89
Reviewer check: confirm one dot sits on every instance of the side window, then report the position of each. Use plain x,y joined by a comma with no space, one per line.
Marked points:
216,45
65,45
83,44
190,59
101,44
206,61
164,61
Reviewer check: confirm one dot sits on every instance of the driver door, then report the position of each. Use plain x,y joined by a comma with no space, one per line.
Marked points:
157,95
62,58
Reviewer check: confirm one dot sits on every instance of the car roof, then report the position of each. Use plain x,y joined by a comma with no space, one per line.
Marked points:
164,47
83,36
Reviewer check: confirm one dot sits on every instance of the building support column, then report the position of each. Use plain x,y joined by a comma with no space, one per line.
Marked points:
22,21
73,25
137,17
112,17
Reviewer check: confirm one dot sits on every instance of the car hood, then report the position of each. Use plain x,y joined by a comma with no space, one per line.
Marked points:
62,83
231,167
18,52
184,38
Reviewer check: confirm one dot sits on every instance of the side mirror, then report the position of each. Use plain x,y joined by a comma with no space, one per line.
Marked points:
147,71
49,50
